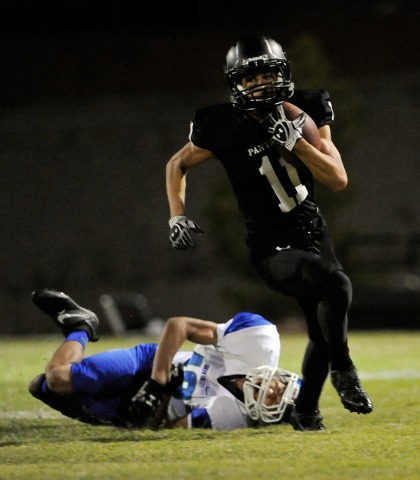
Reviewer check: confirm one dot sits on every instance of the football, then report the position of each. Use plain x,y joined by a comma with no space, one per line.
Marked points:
310,133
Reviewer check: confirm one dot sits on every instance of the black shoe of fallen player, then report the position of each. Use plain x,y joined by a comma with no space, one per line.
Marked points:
65,313
351,392
306,423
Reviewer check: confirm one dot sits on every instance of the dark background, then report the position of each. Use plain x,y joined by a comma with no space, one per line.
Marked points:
96,96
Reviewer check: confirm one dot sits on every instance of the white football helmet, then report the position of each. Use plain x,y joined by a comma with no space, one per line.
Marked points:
256,387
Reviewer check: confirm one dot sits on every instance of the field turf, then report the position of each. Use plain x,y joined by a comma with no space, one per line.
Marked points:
39,444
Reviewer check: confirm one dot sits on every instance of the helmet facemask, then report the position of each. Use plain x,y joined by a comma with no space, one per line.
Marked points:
274,92
257,386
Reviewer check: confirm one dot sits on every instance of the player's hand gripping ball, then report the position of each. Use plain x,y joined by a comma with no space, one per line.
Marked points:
286,132
309,132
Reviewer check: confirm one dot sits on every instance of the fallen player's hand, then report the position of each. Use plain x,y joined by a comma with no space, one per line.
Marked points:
147,400
286,132
181,228
160,418
175,379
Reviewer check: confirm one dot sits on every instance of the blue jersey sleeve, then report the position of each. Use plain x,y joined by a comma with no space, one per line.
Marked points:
246,320
200,418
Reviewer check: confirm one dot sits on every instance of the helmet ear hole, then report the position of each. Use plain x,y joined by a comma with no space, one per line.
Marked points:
257,52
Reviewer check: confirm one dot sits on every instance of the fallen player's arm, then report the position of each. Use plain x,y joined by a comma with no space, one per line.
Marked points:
160,418
177,331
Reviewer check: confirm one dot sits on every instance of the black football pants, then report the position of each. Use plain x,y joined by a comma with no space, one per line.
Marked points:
324,293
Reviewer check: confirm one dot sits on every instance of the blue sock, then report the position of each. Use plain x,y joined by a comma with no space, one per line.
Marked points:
79,336
45,388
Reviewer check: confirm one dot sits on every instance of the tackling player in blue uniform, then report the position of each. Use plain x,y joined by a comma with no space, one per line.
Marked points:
289,244
231,380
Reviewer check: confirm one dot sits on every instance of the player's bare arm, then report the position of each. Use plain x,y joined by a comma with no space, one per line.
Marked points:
326,165
177,331
188,157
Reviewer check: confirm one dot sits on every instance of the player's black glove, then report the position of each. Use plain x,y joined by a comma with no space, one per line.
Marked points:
181,229
148,399
175,379
286,132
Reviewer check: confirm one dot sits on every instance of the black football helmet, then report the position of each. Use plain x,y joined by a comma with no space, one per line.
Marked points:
252,53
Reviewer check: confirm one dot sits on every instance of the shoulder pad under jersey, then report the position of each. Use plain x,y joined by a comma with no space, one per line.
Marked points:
316,103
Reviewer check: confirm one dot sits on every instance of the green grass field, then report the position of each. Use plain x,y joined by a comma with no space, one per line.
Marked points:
40,444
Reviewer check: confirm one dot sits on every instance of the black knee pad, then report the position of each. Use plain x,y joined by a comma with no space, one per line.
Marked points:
337,288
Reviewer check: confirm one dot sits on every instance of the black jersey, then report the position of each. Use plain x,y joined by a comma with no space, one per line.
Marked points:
273,196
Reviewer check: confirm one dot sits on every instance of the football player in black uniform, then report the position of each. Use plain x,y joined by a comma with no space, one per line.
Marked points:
288,240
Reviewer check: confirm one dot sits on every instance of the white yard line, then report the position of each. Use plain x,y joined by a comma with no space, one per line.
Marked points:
15,415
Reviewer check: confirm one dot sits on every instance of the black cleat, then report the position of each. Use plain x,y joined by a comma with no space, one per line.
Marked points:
306,423
351,392
65,312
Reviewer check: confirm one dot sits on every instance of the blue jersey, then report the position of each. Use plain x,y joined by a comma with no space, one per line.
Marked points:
104,384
